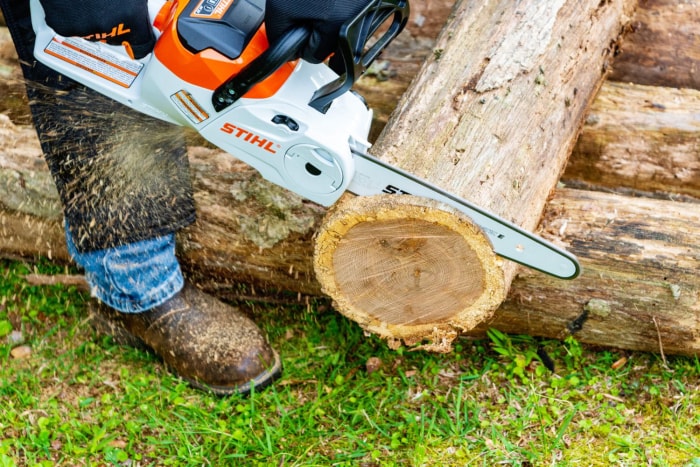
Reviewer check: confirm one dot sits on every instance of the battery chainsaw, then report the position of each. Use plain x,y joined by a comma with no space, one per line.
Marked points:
298,123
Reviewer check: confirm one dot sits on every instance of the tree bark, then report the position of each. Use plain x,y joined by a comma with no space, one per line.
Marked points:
642,138
492,117
639,289
663,48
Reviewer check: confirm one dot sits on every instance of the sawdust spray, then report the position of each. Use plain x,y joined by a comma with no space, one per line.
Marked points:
122,176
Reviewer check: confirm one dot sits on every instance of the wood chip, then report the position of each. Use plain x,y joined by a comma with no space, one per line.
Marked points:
619,363
22,351
373,364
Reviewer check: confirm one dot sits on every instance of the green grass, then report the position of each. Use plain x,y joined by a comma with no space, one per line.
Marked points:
79,399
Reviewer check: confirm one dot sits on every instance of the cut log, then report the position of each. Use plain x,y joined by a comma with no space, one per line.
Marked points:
492,117
642,138
640,288
663,48
411,262
640,260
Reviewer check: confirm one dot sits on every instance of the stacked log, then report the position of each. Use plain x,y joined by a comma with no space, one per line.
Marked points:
641,133
640,139
639,288
637,234
664,47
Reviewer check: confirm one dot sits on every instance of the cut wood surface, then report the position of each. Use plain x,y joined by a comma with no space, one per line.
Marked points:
644,138
492,117
412,262
663,47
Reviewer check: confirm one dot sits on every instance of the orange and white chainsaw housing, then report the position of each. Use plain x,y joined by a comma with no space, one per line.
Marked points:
272,127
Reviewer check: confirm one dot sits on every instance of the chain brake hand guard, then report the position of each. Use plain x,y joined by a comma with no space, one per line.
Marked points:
354,55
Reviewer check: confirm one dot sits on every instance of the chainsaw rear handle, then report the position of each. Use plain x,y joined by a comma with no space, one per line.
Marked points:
350,61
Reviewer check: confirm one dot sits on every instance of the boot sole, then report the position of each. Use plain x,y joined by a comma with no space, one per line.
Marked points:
261,381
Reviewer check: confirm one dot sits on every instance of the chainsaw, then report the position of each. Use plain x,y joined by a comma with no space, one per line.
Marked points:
297,123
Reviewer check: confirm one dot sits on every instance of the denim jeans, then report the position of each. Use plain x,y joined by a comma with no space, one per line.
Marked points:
134,277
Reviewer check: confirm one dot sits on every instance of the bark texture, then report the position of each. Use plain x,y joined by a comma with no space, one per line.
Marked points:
493,114
643,138
640,288
663,47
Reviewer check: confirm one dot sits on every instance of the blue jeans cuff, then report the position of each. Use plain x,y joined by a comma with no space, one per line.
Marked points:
132,278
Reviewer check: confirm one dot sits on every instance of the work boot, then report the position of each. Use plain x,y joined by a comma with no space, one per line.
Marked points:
207,343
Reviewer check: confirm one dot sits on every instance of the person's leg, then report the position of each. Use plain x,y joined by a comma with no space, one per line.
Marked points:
144,302
124,182
131,278
122,176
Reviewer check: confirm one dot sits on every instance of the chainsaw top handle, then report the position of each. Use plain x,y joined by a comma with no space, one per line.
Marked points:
357,49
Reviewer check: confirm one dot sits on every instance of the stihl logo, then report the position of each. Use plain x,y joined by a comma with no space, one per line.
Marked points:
247,135
115,32
394,190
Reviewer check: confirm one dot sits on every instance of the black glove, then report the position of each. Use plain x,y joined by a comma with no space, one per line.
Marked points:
114,22
324,17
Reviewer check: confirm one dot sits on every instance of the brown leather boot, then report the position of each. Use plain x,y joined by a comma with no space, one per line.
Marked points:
208,343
